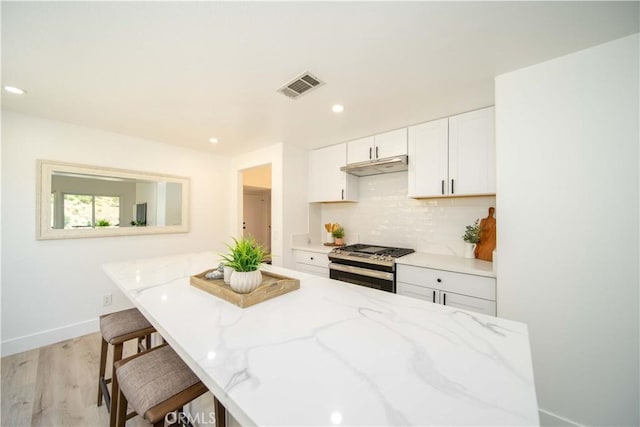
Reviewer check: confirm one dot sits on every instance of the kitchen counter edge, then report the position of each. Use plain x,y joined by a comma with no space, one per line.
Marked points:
448,263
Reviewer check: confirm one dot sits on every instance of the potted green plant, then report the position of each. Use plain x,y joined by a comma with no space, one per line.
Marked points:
245,257
338,236
471,237
103,223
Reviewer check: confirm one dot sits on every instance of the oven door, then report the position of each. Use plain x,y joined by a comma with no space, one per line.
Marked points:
382,280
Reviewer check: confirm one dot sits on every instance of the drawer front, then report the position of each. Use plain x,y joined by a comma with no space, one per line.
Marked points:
312,269
419,292
464,302
464,284
311,258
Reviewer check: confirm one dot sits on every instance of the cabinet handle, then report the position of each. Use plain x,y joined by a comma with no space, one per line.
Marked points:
443,187
444,299
439,280
369,153
452,191
311,258
376,152
342,196
434,296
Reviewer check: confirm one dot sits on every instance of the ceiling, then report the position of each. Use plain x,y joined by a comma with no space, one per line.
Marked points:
182,72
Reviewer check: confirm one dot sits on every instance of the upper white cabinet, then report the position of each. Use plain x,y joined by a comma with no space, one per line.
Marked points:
326,182
454,156
428,156
388,144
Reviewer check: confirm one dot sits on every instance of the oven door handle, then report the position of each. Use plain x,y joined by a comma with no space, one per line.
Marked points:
361,271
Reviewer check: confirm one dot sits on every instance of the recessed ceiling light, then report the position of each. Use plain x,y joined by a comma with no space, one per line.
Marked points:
338,108
213,140
16,90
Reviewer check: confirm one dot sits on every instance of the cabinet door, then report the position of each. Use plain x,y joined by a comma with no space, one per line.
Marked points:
428,159
420,292
360,150
448,281
472,153
311,258
326,182
390,144
464,302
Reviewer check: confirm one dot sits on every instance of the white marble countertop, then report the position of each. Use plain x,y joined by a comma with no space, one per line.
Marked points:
448,263
318,248
332,353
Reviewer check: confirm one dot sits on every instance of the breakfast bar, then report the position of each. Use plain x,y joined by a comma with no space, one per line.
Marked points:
333,353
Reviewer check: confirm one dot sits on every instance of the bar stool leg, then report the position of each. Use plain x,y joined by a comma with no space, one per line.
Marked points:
103,365
220,413
115,391
122,409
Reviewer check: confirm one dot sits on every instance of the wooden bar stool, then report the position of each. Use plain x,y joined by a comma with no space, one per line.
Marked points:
155,383
117,328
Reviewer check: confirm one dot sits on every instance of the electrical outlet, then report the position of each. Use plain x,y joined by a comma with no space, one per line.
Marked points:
106,300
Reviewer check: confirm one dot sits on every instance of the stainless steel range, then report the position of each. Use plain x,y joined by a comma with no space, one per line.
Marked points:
366,265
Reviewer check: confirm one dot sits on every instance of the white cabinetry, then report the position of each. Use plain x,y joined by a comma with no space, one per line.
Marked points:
388,144
465,291
454,156
312,262
326,182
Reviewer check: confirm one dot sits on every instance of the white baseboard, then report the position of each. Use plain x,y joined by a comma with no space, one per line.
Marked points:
549,419
51,336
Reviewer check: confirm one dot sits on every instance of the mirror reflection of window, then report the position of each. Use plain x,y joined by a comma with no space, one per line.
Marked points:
88,211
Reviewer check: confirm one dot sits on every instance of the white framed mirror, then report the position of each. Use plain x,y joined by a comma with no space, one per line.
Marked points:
79,201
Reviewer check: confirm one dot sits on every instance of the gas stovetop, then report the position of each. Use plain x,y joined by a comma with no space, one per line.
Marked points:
373,254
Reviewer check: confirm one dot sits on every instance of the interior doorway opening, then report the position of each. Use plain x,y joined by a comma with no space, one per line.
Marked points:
256,205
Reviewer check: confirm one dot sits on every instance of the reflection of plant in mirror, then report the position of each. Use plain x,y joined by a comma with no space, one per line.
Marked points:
103,223
138,223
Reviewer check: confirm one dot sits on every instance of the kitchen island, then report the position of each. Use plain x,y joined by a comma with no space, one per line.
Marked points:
333,353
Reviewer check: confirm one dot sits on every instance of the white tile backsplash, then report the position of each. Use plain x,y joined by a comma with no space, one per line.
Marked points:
385,215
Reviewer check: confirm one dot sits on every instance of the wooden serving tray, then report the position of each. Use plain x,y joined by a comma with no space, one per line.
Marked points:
273,285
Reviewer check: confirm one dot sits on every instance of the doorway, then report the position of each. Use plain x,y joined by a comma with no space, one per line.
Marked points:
256,205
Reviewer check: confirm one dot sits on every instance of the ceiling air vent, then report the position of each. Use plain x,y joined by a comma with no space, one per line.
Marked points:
300,85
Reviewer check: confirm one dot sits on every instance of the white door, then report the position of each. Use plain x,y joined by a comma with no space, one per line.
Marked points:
256,222
360,150
428,159
327,183
420,292
390,144
472,153
464,302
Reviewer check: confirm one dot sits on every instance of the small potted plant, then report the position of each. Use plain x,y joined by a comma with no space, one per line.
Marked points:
471,237
245,258
338,236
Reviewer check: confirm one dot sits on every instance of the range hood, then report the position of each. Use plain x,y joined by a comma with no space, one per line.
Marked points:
377,167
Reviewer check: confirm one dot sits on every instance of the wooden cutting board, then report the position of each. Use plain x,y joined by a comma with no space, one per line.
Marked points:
484,248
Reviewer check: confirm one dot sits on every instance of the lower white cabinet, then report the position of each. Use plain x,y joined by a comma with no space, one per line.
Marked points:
465,291
312,262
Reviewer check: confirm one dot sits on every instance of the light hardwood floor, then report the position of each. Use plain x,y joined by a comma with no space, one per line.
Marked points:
57,385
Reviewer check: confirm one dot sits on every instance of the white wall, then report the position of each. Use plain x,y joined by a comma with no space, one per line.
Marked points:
567,194
289,207
385,215
296,205
52,289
